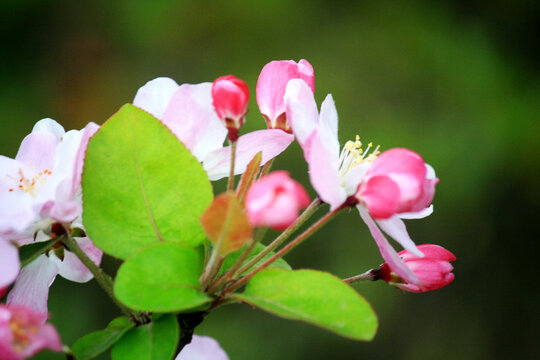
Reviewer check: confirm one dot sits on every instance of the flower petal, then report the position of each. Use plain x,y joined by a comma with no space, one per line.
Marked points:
37,150
324,172
328,120
9,263
395,227
71,267
381,196
88,131
417,215
388,253
202,348
271,142
191,117
49,125
302,110
32,286
154,96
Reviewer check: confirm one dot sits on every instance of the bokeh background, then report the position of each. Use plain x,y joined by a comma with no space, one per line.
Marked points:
457,82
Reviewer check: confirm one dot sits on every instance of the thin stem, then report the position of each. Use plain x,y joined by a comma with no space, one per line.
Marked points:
284,250
370,275
230,184
266,168
310,210
230,273
104,280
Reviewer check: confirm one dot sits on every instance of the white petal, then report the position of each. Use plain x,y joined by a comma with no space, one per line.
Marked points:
191,117
328,121
354,177
301,109
71,267
49,125
324,173
418,214
271,142
202,348
154,96
395,227
32,286
9,263
387,251
37,150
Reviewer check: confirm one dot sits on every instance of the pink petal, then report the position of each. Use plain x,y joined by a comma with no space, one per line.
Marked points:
381,196
9,263
271,142
72,268
395,227
191,117
32,286
37,150
49,125
154,96
387,251
202,348
432,252
324,172
302,110
87,133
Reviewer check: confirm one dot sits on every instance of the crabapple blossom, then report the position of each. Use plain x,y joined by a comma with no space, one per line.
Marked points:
23,333
271,87
337,175
433,270
202,348
9,264
188,112
230,97
275,200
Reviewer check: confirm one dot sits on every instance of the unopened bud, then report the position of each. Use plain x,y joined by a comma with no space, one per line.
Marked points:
230,97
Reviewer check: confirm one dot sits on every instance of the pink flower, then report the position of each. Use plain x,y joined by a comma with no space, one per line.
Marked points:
23,333
230,97
39,188
337,175
433,269
42,184
188,112
398,181
271,89
275,200
202,348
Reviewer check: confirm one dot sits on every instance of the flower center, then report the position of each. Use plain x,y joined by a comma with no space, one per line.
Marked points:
22,332
30,185
353,155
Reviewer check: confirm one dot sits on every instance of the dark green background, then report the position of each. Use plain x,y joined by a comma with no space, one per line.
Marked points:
456,82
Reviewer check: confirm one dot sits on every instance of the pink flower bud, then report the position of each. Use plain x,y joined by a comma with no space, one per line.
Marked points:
398,181
433,270
230,97
271,89
275,200
23,333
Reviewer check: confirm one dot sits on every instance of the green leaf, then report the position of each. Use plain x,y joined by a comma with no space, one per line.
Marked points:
141,186
231,259
163,277
154,341
315,297
30,252
93,344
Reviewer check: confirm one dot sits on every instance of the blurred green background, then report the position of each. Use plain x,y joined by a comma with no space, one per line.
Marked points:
457,82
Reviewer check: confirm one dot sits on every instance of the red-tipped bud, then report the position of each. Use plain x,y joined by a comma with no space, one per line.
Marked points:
230,97
275,200
433,270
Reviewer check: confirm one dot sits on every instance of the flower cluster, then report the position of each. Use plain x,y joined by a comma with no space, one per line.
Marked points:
41,204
